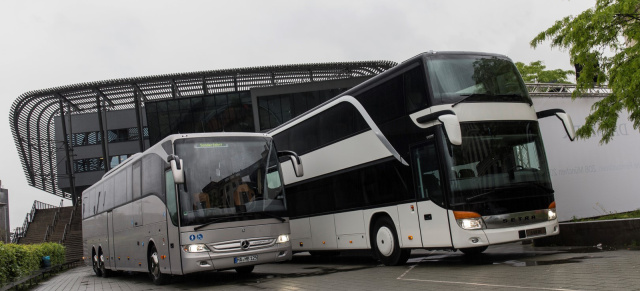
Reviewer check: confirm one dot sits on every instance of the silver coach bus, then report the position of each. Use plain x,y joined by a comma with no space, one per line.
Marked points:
190,203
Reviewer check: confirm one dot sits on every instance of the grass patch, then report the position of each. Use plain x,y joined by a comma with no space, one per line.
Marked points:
621,215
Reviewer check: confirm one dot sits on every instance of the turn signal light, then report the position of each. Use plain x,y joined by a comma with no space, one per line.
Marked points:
465,214
323,242
552,205
411,237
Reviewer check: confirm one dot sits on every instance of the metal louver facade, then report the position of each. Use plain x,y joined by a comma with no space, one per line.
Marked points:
32,114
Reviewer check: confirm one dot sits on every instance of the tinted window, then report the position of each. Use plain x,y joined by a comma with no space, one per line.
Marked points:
374,185
152,175
384,102
336,123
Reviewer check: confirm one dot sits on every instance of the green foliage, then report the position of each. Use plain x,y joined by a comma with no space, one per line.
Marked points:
611,215
20,260
604,40
535,72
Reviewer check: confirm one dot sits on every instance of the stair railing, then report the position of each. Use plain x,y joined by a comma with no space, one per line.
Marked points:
67,227
21,232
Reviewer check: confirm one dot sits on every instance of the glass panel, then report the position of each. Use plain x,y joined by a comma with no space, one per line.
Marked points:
170,189
426,174
115,160
499,160
486,79
228,177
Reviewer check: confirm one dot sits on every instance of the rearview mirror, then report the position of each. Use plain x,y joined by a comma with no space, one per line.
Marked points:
176,169
564,117
452,128
295,161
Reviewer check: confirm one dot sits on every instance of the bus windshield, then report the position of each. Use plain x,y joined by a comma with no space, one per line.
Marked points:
231,177
498,161
454,78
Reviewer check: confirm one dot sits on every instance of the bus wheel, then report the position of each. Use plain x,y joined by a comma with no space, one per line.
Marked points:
96,266
154,268
473,251
385,243
103,270
245,270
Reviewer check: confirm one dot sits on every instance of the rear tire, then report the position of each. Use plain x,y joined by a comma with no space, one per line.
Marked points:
245,270
96,265
385,244
473,251
154,268
105,272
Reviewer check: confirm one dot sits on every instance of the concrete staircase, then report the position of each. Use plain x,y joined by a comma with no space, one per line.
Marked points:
73,240
38,227
64,229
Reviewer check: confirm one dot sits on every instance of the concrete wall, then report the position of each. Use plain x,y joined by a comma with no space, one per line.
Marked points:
5,226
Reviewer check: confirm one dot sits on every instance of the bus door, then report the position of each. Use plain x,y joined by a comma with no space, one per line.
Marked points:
112,248
173,231
428,178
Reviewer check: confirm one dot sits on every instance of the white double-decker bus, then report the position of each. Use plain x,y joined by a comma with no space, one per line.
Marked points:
190,203
440,152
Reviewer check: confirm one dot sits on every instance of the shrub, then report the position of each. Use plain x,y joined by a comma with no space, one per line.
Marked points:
20,260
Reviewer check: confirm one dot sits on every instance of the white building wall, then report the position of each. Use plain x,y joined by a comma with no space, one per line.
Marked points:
590,179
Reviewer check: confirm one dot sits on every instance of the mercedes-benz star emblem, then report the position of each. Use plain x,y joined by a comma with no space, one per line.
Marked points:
245,244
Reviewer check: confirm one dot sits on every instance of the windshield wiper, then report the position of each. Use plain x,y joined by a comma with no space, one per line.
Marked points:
503,96
529,101
535,184
243,215
468,97
481,195
218,219
270,215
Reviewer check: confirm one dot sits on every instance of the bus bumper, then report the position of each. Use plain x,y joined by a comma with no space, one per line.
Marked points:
477,238
210,261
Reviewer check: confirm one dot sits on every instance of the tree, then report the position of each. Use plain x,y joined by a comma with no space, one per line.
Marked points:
535,72
603,41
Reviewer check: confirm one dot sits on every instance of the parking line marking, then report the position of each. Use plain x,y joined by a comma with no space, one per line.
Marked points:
401,277
486,285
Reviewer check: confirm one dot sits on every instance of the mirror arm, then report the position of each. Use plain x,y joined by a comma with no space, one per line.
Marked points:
174,158
548,112
289,153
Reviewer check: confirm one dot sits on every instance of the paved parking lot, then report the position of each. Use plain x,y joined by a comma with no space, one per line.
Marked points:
505,267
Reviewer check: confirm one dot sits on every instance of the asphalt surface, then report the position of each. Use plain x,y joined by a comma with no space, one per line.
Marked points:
505,267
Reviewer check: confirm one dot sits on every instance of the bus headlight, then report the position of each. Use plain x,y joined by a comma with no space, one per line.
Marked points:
468,220
196,248
552,214
283,238
470,223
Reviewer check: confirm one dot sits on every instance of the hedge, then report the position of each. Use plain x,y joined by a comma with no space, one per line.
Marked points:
20,260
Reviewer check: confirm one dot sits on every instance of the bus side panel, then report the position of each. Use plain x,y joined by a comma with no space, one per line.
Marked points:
173,240
112,262
102,236
323,232
350,229
122,224
391,211
410,225
435,230
154,216
301,234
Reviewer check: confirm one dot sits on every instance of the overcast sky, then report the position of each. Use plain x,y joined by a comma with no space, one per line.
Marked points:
45,44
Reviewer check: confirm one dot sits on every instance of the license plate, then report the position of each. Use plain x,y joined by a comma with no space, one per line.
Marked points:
536,231
240,260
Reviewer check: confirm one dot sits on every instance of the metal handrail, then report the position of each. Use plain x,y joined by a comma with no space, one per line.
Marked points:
22,231
68,225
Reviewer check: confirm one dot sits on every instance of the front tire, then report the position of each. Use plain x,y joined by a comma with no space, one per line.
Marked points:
385,244
154,268
245,270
